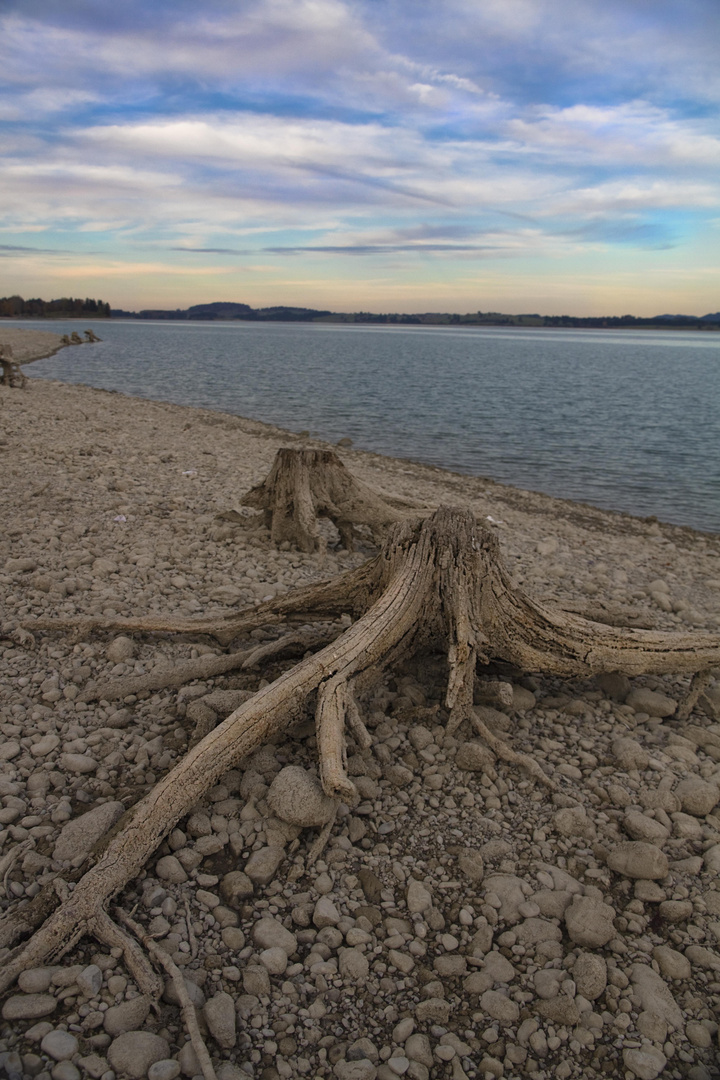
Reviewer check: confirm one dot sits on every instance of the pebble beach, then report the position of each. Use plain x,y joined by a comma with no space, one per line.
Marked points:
462,922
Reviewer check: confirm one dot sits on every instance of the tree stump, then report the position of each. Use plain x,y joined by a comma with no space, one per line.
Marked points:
437,584
12,373
305,485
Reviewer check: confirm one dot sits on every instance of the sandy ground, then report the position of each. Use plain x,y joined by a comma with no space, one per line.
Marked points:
433,938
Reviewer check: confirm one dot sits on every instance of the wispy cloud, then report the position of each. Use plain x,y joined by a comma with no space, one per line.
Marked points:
417,136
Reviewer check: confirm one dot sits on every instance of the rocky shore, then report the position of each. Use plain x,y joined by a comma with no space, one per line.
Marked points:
462,921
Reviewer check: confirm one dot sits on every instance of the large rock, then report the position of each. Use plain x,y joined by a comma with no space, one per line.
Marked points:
697,796
127,1016
262,866
134,1052
654,995
589,922
28,1006
636,859
219,1013
269,933
630,754
509,890
590,975
641,827
419,898
646,1063
79,836
649,701
296,796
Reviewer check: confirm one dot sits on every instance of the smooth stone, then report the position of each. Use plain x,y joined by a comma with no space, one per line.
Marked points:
275,961
325,913
269,933
263,865
79,764
127,1016
672,964
135,1051
649,701
59,1045
355,1070
418,897
637,859
655,996
169,868
65,1070
167,1069
90,980
641,827
28,1006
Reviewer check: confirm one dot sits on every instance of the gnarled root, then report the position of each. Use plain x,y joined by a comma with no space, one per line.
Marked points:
438,582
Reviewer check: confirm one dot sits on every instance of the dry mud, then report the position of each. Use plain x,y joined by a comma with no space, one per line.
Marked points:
462,922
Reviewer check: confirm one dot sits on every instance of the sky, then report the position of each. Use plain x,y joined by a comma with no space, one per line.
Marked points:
552,156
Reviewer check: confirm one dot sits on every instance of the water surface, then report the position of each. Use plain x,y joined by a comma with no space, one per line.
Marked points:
626,420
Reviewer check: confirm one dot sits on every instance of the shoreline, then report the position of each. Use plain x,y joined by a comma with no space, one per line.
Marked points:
37,345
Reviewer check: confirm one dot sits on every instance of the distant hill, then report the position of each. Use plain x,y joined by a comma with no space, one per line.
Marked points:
225,310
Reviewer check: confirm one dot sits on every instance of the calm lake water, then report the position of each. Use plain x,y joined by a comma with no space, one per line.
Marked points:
624,420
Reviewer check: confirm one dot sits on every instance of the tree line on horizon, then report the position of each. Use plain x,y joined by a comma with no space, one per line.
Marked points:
67,307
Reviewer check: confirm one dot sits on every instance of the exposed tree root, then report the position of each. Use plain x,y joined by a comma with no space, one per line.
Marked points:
205,667
501,749
186,1006
437,583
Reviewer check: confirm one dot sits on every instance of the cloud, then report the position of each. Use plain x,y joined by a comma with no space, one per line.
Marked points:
406,133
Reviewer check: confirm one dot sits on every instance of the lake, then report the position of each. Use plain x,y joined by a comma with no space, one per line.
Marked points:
625,420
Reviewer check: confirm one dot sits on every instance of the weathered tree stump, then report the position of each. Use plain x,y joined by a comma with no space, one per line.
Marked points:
437,584
305,485
12,373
